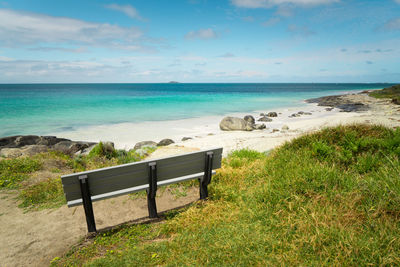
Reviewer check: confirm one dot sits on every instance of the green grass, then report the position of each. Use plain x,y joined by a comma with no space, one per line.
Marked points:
14,171
392,92
329,198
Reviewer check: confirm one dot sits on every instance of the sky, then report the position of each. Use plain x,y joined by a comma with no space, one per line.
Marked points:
224,41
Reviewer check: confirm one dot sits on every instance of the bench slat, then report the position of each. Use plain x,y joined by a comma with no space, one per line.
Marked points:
108,181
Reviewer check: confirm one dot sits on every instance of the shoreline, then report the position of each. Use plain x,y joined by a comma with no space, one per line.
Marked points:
204,132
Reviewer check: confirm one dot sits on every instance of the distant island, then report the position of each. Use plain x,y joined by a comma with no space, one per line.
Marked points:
173,82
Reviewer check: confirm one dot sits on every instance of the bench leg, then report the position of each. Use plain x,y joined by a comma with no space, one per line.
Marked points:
206,179
152,191
87,203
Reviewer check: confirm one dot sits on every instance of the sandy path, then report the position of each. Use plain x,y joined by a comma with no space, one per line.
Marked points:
35,238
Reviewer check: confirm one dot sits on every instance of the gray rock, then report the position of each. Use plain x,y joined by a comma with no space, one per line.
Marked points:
340,102
328,109
25,140
262,114
50,140
141,152
285,128
108,147
145,143
85,151
10,152
266,119
8,141
186,138
250,119
260,126
235,124
275,130
272,114
294,115
31,150
165,142
70,147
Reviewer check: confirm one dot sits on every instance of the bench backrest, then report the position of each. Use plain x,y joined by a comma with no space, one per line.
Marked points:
132,177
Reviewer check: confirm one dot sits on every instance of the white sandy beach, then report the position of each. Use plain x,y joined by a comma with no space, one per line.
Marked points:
206,133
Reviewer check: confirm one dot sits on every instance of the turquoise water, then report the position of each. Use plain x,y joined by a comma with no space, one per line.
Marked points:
43,108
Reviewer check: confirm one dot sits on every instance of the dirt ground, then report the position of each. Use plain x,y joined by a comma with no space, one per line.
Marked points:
35,238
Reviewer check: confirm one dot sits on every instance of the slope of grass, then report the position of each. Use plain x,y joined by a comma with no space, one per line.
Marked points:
329,198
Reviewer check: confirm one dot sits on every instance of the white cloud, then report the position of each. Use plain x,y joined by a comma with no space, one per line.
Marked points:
128,10
22,28
203,34
271,3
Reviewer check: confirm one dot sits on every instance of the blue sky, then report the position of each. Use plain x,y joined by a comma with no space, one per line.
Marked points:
199,41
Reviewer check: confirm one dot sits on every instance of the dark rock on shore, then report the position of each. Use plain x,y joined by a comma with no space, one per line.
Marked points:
165,142
186,138
28,145
272,114
338,101
145,143
266,119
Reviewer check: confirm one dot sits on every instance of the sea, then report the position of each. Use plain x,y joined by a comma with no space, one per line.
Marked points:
40,109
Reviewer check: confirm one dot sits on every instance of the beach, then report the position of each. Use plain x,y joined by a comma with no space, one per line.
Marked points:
205,133
36,237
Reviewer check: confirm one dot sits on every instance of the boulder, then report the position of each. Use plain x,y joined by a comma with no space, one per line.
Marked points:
186,138
294,115
25,140
262,115
145,143
275,130
266,119
250,119
50,140
234,124
108,147
260,126
85,151
70,147
285,128
8,141
31,150
272,114
165,142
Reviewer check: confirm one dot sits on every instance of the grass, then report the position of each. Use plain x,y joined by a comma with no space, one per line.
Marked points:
392,92
14,171
34,192
329,198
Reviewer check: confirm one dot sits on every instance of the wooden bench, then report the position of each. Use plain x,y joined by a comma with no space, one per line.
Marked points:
86,187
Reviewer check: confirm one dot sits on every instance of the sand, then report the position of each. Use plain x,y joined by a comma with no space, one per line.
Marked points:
35,238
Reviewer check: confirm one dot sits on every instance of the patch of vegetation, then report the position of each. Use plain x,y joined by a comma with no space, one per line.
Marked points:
46,194
329,198
392,92
13,171
36,193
